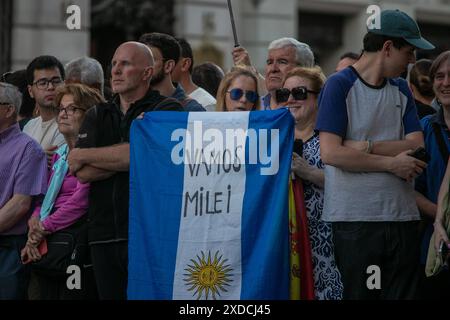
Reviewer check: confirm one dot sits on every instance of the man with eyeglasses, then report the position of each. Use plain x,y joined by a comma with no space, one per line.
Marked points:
44,75
23,175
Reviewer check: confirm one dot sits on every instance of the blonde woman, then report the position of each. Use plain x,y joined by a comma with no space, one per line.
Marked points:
238,91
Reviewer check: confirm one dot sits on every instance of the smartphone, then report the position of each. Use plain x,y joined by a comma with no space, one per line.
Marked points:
298,147
43,249
421,154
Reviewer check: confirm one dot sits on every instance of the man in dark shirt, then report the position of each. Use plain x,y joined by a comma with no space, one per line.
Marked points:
167,51
102,157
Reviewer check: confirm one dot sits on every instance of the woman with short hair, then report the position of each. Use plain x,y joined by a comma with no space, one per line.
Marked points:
66,201
238,91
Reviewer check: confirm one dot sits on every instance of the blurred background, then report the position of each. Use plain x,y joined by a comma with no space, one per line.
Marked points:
29,28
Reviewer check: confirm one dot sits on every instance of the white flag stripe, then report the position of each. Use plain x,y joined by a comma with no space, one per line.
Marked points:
208,263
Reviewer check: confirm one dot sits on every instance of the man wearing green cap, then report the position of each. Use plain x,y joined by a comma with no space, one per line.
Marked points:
368,128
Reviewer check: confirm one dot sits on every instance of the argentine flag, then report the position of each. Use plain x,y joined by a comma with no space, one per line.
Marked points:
208,205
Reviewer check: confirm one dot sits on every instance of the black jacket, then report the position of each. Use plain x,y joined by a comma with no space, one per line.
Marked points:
106,125
423,109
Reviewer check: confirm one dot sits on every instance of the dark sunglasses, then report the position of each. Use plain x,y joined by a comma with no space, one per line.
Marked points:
299,93
236,94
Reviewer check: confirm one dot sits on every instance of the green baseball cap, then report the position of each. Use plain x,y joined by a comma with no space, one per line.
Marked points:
396,23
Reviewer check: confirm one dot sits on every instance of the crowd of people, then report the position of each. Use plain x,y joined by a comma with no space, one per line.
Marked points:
65,157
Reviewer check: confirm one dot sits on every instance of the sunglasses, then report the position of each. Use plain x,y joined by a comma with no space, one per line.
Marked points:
299,93
236,94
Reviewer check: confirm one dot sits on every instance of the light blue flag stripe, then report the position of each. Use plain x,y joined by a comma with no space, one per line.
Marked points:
265,255
155,205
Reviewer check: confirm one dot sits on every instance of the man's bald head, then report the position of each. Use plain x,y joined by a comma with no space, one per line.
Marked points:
139,51
132,68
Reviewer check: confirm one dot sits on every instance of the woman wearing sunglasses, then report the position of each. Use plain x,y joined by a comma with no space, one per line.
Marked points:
300,92
238,91
66,201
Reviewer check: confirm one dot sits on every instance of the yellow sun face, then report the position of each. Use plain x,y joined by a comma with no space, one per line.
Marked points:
208,277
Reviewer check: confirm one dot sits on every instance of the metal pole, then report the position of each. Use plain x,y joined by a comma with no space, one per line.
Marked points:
233,26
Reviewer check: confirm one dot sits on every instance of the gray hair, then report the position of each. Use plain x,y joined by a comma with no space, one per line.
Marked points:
303,53
10,94
87,71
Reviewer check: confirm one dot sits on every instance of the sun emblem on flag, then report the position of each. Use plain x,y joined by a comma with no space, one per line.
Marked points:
208,277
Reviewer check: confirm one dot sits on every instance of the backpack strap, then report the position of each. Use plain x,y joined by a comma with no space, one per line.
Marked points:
440,141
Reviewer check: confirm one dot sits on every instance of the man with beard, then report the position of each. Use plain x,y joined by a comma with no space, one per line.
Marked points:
182,74
44,75
166,52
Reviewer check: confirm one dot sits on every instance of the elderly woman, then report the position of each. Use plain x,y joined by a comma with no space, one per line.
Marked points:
300,92
238,91
66,201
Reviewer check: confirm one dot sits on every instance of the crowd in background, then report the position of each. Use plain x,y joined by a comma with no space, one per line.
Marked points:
370,198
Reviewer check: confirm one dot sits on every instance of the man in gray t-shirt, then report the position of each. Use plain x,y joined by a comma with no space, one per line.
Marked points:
368,128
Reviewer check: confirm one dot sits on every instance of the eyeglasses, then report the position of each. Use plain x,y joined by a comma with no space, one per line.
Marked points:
69,110
42,84
236,94
299,93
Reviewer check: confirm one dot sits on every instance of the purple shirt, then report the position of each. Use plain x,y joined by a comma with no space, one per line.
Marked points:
70,204
23,170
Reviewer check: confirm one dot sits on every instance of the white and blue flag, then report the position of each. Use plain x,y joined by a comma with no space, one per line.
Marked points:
209,205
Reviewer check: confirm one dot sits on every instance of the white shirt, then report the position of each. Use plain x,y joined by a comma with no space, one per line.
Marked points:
45,133
204,98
